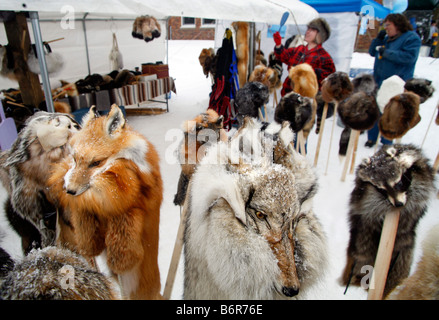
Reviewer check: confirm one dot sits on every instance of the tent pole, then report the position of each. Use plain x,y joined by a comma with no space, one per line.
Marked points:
41,59
251,49
86,42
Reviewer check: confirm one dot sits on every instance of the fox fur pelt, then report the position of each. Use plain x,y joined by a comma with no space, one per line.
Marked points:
111,187
207,59
397,176
146,28
400,115
55,274
423,284
242,42
26,167
250,230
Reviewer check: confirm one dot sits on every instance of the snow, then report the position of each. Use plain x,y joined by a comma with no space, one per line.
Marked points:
331,200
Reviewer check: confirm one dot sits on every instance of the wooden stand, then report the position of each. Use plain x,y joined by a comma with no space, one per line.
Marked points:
384,256
322,127
353,139
332,133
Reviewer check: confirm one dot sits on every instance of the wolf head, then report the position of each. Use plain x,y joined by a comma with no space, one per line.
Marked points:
391,171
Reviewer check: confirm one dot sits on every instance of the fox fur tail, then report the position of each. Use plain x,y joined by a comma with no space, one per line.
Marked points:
423,284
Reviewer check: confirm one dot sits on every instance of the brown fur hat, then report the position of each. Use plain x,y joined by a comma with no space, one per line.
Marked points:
295,109
337,86
265,75
207,61
323,28
304,80
359,111
400,115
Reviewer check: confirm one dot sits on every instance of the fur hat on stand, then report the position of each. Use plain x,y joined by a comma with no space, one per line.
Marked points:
359,111
294,108
322,26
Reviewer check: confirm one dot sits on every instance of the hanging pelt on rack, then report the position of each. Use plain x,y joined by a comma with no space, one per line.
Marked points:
242,53
146,28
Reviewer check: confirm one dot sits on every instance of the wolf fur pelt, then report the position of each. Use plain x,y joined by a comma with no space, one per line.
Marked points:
146,28
250,231
422,87
249,99
242,54
397,176
111,188
55,274
207,59
423,284
26,167
295,109
400,115
304,82
199,133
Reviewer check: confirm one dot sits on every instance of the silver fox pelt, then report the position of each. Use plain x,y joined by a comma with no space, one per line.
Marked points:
250,229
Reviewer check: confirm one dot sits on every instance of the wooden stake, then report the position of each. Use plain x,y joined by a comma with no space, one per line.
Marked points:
354,153
352,138
322,127
301,142
384,256
429,125
376,143
332,133
436,164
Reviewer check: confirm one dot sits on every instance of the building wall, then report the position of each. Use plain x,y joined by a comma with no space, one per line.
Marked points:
177,32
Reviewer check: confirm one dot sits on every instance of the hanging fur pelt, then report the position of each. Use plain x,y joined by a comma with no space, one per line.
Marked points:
146,28
54,60
250,230
397,176
242,54
207,59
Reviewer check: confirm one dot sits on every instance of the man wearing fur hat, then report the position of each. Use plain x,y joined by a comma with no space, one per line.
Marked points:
313,53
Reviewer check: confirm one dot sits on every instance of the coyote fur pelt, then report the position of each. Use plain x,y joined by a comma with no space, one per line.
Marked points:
111,188
25,170
250,231
242,41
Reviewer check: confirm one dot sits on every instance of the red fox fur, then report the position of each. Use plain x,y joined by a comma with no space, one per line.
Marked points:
241,29
112,189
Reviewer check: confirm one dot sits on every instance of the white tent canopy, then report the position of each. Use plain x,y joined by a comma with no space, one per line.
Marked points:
268,11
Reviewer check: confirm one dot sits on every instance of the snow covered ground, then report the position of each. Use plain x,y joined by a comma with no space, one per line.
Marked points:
331,201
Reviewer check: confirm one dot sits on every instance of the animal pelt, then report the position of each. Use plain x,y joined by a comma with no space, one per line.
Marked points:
54,60
389,88
344,141
400,115
249,99
422,87
207,59
336,87
61,107
242,53
365,83
7,63
199,133
146,28
26,167
359,111
266,75
423,284
294,41
260,58
55,274
295,109
111,188
397,176
276,65
6,262
250,209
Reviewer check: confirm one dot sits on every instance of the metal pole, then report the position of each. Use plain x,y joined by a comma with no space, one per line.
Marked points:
251,46
41,60
86,42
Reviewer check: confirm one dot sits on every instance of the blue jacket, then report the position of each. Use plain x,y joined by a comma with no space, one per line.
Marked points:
399,57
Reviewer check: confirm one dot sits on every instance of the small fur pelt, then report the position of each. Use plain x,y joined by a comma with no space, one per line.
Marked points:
54,60
242,41
249,99
422,87
276,65
295,109
336,87
423,284
397,176
266,75
207,59
359,111
400,115
55,274
146,28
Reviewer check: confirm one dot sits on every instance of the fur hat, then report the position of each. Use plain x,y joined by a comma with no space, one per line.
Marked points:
295,109
251,97
323,27
304,80
400,115
337,86
390,87
359,111
422,87
365,83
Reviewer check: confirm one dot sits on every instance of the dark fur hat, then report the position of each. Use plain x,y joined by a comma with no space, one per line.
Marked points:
323,27
359,111
295,109
251,97
422,87
400,115
365,83
337,86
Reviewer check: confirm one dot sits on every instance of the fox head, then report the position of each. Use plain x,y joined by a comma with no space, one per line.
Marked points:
98,148
390,171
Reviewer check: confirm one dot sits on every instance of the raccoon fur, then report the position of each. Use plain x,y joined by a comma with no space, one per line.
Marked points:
397,176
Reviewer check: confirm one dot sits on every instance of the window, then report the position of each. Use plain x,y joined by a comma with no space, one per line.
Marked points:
188,22
208,23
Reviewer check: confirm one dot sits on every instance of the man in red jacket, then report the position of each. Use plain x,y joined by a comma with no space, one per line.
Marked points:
313,53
